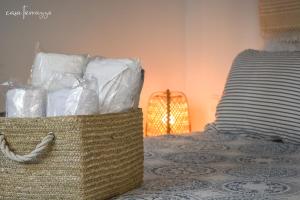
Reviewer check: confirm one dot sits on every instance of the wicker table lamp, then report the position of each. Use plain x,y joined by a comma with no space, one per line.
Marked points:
167,114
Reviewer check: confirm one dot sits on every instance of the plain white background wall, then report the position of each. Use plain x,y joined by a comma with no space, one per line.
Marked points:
216,31
184,45
152,30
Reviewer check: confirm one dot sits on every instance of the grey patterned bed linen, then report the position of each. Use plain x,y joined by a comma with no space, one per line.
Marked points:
212,166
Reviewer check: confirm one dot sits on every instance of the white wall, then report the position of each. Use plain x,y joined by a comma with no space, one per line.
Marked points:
216,30
184,45
152,30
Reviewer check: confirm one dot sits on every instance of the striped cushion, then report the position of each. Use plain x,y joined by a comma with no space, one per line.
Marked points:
262,96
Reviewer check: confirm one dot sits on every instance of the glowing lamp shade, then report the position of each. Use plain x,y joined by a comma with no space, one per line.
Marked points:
167,114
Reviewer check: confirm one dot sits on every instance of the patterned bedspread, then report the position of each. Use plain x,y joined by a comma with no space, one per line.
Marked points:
212,166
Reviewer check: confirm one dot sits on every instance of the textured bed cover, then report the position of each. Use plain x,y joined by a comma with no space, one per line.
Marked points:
212,166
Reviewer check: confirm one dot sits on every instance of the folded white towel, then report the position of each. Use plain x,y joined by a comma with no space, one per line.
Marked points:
46,64
119,83
62,80
81,100
26,102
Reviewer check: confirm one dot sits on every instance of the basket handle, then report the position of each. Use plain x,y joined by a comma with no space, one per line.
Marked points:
39,149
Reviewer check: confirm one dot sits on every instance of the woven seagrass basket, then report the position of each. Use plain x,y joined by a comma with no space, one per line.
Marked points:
77,157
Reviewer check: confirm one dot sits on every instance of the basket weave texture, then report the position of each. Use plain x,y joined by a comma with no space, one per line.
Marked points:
92,157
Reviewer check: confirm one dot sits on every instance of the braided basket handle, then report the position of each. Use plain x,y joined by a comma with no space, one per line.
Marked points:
39,149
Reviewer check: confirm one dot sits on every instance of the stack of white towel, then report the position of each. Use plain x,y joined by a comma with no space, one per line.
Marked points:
26,102
77,85
79,100
47,64
118,83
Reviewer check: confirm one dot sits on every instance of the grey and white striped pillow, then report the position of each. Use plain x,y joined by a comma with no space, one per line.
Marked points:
262,96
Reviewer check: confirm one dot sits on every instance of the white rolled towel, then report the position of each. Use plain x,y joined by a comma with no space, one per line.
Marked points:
119,83
26,102
46,64
72,101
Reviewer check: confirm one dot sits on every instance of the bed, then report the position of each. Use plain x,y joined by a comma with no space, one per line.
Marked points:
251,151
213,166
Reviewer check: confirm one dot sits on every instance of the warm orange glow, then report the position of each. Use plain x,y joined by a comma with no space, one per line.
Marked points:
165,119
167,114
